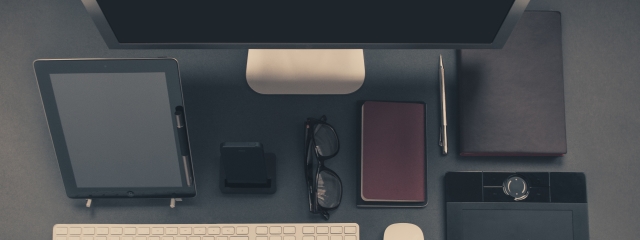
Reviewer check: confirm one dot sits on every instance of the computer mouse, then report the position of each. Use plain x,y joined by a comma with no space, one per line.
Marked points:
403,231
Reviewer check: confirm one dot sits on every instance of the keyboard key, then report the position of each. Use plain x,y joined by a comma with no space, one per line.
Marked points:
75,231
336,230
350,238
228,230
262,238
171,231
167,238
213,230
61,238
308,230
262,230
181,238
185,231
115,231
88,231
323,229
308,238
336,237
289,238
208,238
151,238
242,230
199,231
323,237
74,238
222,238
127,238
194,238
143,231
350,230
275,230
113,238
157,231
61,231
102,231
129,231
141,238
101,238
289,230
239,238
87,238
275,238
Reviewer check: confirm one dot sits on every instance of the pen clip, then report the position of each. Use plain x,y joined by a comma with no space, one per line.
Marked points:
440,141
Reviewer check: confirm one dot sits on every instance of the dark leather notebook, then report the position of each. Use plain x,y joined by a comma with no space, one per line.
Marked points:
512,99
393,152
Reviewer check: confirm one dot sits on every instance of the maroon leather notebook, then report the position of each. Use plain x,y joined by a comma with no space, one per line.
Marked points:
393,152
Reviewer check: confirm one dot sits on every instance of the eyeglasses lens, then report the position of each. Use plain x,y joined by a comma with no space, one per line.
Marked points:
326,140
329,190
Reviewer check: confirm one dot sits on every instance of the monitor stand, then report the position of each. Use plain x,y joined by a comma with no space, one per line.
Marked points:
305,71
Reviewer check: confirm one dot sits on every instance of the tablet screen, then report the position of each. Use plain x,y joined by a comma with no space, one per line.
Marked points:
118,129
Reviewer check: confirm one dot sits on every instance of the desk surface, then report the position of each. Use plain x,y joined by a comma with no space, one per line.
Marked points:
601,59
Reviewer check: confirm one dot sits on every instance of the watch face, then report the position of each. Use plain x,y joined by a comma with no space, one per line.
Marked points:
516,187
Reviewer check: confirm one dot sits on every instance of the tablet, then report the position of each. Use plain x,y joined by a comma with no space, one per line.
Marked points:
516,205
118,127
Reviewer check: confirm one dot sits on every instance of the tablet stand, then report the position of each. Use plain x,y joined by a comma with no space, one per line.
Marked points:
172,204
268,188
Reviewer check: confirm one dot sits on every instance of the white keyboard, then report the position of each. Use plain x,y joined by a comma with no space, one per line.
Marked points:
271,231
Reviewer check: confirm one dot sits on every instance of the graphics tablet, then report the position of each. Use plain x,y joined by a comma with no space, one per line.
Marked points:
516,205
118,127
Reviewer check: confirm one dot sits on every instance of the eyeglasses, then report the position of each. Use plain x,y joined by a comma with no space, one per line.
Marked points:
323,184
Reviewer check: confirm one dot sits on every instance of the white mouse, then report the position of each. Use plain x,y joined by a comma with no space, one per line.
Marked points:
403,231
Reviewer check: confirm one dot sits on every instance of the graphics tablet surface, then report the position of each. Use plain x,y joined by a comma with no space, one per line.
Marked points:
118,127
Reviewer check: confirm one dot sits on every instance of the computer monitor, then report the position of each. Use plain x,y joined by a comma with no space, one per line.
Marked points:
284,38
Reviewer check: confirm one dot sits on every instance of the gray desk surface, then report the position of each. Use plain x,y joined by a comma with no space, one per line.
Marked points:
601,57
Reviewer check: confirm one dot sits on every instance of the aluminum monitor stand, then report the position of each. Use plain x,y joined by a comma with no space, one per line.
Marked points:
305,71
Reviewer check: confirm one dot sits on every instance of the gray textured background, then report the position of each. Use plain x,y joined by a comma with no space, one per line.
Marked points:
601,41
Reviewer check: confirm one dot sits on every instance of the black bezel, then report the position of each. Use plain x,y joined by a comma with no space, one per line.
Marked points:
44,67
500,39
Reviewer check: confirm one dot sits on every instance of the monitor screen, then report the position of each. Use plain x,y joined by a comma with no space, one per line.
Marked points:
361,24
118,129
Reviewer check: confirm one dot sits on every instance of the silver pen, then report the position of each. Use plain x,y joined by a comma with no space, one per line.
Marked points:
443,109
